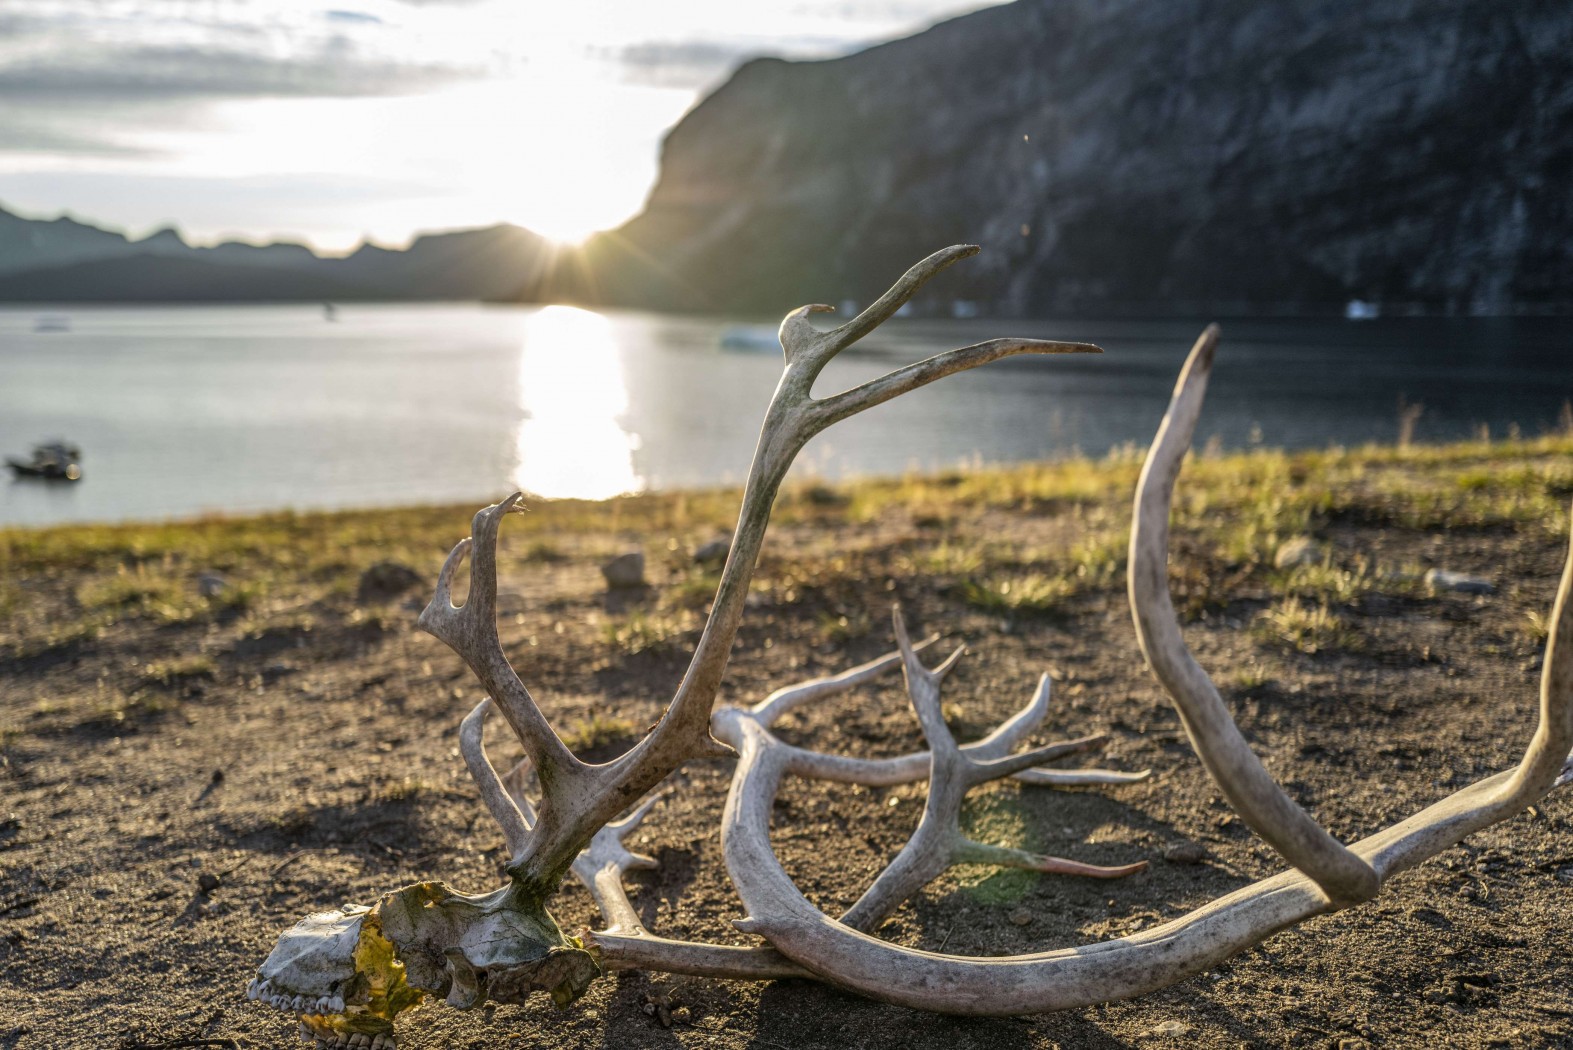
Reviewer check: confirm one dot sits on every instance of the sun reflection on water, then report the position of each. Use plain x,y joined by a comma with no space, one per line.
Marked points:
571,441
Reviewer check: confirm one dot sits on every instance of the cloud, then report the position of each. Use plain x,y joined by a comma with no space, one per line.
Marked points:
352,16
700,63
679,63
333,69
34,138
79,50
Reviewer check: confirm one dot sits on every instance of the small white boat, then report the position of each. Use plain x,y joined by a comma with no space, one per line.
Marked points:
1360,310
751,338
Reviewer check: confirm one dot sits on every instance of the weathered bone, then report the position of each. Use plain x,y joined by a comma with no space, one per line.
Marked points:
348,973
1164,954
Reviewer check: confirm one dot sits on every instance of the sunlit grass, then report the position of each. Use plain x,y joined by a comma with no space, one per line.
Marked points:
179,670
644,631
1030,594
65,587
598,730
1306,628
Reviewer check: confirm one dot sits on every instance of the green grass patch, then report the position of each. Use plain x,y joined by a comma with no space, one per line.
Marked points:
1305,628
1031,594
641,632
598,730
179,671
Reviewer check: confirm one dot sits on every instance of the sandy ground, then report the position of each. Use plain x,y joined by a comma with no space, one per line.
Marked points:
150,855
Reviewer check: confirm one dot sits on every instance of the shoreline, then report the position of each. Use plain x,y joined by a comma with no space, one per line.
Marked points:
1421,452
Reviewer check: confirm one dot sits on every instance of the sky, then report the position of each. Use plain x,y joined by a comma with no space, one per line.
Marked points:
334,121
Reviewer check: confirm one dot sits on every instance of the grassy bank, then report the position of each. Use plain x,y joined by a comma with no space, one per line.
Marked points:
62,588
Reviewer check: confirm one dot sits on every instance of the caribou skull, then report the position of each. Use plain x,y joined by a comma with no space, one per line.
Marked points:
346,974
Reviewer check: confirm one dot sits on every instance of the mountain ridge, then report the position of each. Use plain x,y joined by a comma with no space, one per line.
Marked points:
67,260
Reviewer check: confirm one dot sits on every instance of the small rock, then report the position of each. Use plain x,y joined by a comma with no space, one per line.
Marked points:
1168,1030
211,585
1297,550
1185,853
207,882
274,671
1353,1043
385,581
625,571
714,552
1442,580
659,1006
1021,916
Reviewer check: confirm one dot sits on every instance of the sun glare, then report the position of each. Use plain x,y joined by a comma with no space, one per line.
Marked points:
573,396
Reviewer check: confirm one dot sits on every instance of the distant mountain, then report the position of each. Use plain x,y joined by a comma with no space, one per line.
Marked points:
63,260
489,263
150,278
1249,155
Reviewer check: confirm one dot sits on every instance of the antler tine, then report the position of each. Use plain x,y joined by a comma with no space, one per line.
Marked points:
471,631
600,866
515,826
923,687
1232,764
625,944
970,852
837,407
778,704
802,342
1080,777
981,771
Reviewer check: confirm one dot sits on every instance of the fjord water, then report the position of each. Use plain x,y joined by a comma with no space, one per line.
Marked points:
182,411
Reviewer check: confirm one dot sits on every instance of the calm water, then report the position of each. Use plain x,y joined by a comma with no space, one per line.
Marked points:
181,411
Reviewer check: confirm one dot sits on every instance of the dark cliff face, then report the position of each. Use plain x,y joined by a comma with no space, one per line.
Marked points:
1130,154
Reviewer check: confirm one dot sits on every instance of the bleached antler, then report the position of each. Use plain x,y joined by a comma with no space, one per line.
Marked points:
349,972
578,798
524,950
1164,954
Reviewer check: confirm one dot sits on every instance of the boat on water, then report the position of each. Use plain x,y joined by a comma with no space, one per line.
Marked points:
52,461
750,338
1362,310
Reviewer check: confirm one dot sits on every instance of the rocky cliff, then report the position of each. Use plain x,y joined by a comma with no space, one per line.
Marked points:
1131,155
